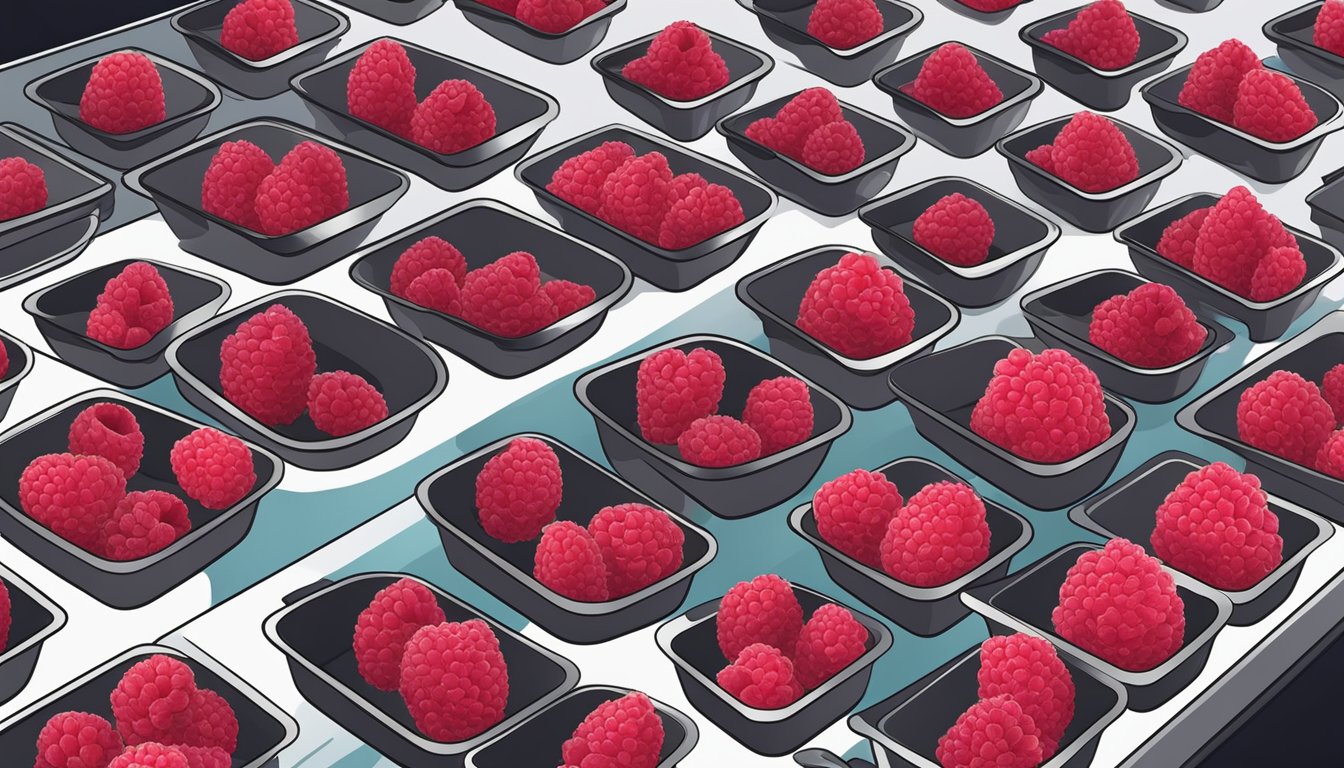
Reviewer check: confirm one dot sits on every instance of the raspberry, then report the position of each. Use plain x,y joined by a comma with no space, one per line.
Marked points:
555,16
505,298
381,87
857,308
23,188
144,522
124,94
518,490
674,388
1150,327
205,757
952,81
956,229
1328,31
845,24
1332,388
1330,459
423,255
260,29
719,441
6,616
396,612
834,148
569,562
342,403
1270,105
213,468
1102,34
763,610
308,186
683,183
111,431
150,755
73,496
267,364
939,535
640,545
213,723
1042,156
1045,408
1285,415
1177,243
1027,669
453,117
569,297
139,304
153,699
830,641
1211,87
779,410
680,64
4,359
579,180
853,511
625,732
455,680
1092,154
229,187
1278,273
636,196
1234,238
77,740
993,733
788,130
436,289
699,215
1119,604
761,677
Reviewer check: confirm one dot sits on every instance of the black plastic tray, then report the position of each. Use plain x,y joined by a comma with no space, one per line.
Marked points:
1327,207
984,17
34,618
553,48
20,365
1193,6
846,68
398,12
1292,33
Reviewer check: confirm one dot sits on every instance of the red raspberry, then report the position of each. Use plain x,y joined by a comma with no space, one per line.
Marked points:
625,732
455,680
680,64
1150,327
1046,408
845,24
145,522
1027,669
153,700
1092,154
6,616
763,610
124,94
569,297
518,490
139,304
1278,273
1332,388
73,496
556,16
436,289
1270,105
719,441
229,188
1234,238
993,733
1177,243
1285,415
1102,34
150,755
111,431
569,562
205,757
779,410
640,545
260,29
637,196
308,186
1211,87
213,723
4,359
674,388
952,81
267,364
830,641
956,229
939,535
1330,459
213,468
853,511
453,117
1042,156
761,677
381,87
834,148
788,130
423,255
77,740
579,180
1119,604
683,183
1328,31
506,298
857,308
396,613
342,403
699,215
23,188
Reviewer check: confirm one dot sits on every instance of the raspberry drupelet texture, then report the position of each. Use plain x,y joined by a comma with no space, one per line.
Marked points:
788,130
111,431
153,700
939,535
956,229
845,24
779,410
229,187
150,755
568,297
144,522
1270,105
1150,327
761,677
267,364
73,496
857,308
1330,459
382,629
423,255
453,117
518,490
763,610
381,87
1212,85
556,16
4,360
1286,415
674,388
625,733
680,64
834,149
1045,407
1279,272
124,94
636,197
1090,153
1119,604
1177,243
719,441
259,29
342,403
993,733
213,723
579,180
1236,235
455,680
830,641
205,757
640,545
436,289
569,562
23,188
308,186
952,81
6,616
214,468
506,297
1027,669
1328,30
1332,388
132,308
1102,34
853,512
77,740
699,214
